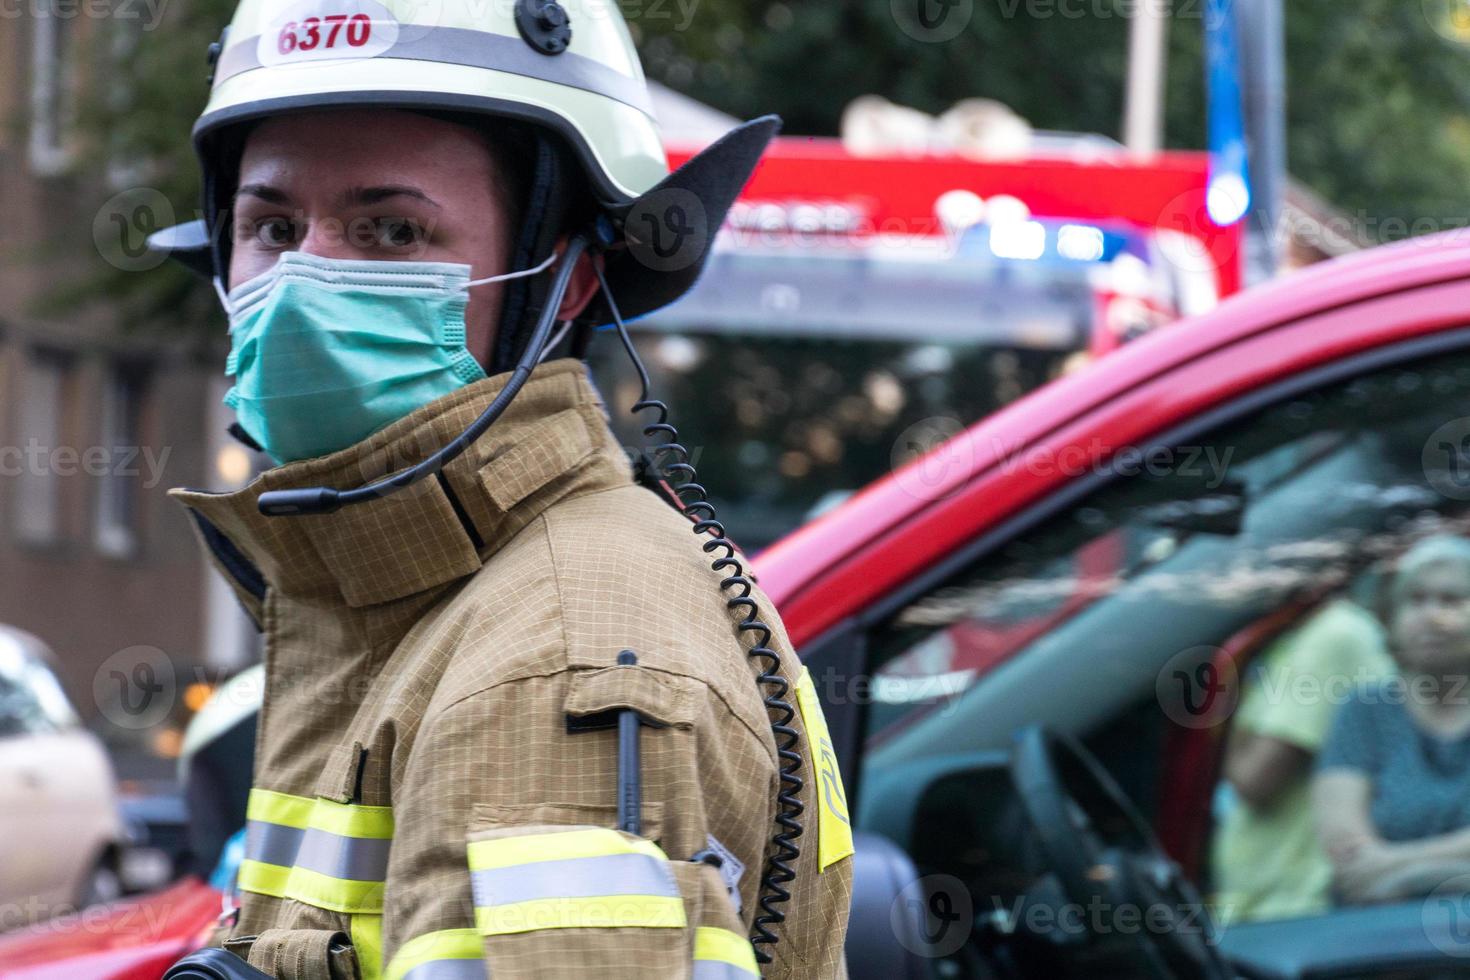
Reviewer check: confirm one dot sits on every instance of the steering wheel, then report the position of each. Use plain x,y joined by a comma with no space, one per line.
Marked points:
1108,861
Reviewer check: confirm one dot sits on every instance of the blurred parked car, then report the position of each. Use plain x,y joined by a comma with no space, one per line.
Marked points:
61,834
157,822
1026,640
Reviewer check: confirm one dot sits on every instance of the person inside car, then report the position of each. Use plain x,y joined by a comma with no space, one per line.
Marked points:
1391,794
1267,860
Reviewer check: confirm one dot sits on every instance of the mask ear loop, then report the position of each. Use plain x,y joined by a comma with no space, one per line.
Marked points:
550,261
565,325
551,345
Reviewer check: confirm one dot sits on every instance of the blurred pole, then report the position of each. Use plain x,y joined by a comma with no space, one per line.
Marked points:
1143,114
1229,196
1261,28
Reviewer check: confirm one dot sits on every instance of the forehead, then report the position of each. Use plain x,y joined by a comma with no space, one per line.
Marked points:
1446,574
343,147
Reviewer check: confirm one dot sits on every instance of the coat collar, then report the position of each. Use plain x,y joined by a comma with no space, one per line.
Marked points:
553,442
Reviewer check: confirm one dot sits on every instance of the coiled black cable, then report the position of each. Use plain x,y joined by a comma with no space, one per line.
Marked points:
672,459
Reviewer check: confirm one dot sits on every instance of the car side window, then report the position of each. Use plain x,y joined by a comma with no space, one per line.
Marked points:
1090,615
17,708
31,699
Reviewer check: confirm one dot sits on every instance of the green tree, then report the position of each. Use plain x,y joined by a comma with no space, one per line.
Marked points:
1379,111
141,87
1377,90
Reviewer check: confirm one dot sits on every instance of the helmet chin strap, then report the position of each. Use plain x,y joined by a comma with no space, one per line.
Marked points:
326,500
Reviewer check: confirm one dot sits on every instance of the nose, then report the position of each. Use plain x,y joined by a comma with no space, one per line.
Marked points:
1441,618
329,237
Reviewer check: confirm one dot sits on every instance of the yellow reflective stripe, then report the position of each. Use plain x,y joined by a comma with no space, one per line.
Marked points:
505,852
291,811
613,912
263,879
367,939
350,820
334,894
834,827
320,817
448,944
344,819
724,946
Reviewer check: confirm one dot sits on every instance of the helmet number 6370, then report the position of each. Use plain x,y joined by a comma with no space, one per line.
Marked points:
324,32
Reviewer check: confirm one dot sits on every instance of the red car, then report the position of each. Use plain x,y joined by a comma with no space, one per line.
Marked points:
1034,642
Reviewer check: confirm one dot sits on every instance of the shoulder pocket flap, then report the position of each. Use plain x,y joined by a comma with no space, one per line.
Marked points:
341,778
548,449
492,819
663,699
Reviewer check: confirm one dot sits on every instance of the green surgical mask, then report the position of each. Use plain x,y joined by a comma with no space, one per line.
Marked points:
325,352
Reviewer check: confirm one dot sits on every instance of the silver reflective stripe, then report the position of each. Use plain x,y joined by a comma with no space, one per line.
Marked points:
720,970
353,858
479,49
448,970
272,843
591,877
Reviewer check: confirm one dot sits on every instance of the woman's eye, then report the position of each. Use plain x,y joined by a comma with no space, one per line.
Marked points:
399,232
275,232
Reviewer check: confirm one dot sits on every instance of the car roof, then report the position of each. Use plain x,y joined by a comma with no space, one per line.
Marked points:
26,644
795,561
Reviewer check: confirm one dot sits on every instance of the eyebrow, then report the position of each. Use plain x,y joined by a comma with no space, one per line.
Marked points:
376,195
265,192
355,196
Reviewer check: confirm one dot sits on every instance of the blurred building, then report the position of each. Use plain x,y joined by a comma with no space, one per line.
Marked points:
96,423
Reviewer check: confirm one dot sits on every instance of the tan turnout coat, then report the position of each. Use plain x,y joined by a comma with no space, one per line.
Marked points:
441,677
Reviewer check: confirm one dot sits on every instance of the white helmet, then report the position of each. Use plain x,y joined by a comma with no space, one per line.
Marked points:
566,68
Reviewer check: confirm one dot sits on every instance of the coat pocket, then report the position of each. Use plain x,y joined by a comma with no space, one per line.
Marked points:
301,954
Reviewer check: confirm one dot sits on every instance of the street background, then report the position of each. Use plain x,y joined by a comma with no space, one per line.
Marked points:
111,361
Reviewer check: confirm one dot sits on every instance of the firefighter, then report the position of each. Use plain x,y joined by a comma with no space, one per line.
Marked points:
522,717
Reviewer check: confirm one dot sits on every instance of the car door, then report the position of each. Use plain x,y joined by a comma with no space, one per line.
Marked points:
78,790
1300,494
28,847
